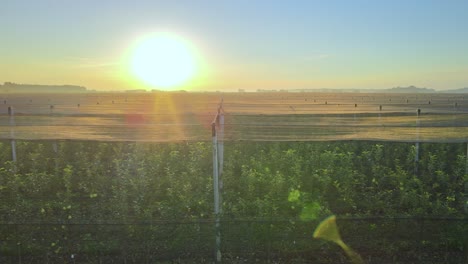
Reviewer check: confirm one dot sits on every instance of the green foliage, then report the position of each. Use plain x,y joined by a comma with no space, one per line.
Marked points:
101,182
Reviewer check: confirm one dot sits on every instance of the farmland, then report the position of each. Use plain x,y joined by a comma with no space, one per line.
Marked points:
127,178
179,116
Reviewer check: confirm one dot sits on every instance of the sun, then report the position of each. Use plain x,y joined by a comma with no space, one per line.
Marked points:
163,61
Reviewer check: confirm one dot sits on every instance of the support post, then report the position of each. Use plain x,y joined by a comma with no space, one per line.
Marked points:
416,154
466,188
220,138
12,133
216,192
54,141
466,166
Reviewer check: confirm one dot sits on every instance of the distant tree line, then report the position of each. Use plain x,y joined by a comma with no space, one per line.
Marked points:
9,87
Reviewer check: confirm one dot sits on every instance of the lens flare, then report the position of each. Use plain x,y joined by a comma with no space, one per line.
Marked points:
328,230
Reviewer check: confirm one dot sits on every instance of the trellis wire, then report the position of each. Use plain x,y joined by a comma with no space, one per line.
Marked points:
289,112
267,245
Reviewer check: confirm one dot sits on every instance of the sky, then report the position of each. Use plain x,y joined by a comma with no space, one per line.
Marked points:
241,44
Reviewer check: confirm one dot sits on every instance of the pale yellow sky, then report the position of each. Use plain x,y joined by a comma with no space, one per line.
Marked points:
241,44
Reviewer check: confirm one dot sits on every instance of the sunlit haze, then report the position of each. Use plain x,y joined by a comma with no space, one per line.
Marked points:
163,61
231,45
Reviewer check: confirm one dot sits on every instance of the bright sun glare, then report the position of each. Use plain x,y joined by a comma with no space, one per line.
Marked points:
164,61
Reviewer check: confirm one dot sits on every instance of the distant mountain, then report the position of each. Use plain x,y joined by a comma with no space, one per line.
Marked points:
409,89
9,87
413,89
461,90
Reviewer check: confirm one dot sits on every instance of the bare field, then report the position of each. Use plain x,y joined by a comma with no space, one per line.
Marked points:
179,116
